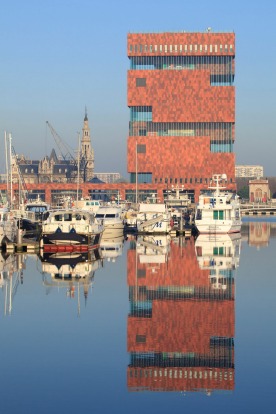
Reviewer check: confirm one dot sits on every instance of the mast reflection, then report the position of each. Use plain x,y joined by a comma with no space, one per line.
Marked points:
11,276
180,333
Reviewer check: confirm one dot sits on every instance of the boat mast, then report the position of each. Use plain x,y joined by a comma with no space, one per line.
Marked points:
78,178
136,176
10,154
7,165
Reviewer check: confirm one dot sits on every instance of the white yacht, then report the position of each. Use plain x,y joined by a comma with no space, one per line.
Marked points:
218,210
88,204
35,209
8,227
70,229
111,217
177,199
153,217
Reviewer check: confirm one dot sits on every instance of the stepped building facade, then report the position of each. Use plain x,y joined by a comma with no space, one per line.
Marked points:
181,97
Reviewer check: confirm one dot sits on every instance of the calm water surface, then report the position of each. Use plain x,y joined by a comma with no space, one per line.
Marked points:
154,325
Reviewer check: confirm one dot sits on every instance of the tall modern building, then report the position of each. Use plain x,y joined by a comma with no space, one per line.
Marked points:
181,97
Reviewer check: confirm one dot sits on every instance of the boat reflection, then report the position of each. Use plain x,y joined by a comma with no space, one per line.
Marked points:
180,331
112,248
220,255
153,249
11,276
71,271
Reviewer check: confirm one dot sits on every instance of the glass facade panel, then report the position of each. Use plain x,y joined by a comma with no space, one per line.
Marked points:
220,133
142,195
142,178
220,67
141,113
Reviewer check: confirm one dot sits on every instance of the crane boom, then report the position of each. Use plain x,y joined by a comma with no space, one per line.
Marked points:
63,148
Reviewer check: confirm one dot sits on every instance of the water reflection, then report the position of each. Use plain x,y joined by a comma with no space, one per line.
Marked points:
11,276
220,255
180,332
112,248
181,322
73,272
258,233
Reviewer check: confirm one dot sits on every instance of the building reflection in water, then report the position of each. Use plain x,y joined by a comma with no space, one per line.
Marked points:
11,276
72,271
180,332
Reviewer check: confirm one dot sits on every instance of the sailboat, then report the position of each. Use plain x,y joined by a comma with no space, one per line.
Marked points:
8,223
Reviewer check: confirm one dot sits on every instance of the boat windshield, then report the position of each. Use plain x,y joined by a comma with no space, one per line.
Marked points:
36,209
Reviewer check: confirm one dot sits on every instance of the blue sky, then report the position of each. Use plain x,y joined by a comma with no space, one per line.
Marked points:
59,56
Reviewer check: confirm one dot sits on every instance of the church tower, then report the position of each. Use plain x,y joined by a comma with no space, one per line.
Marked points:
86,152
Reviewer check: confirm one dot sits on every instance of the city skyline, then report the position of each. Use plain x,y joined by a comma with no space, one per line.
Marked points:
60,56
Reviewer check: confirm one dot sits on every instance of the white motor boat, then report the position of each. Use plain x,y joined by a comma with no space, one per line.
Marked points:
218,210
88,205
32,210
111,217
69,230
35,209
153,218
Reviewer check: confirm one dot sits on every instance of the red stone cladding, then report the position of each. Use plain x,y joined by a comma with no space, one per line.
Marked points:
180,39
182,326
180,157
181,269
182,96
181,379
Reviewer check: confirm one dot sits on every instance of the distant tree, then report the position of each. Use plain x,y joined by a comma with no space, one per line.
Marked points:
243,193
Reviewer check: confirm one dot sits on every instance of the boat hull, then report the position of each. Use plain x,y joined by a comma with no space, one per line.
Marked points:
60,241
218,228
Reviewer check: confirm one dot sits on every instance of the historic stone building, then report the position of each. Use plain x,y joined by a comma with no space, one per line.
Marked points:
53,169
259,191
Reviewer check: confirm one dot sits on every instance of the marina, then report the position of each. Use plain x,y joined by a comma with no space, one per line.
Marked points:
137,208
138,289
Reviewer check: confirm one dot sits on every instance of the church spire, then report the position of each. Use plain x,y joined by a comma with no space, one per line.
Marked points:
85,115
87,152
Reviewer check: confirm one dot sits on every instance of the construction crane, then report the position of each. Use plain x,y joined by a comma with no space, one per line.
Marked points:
63,148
